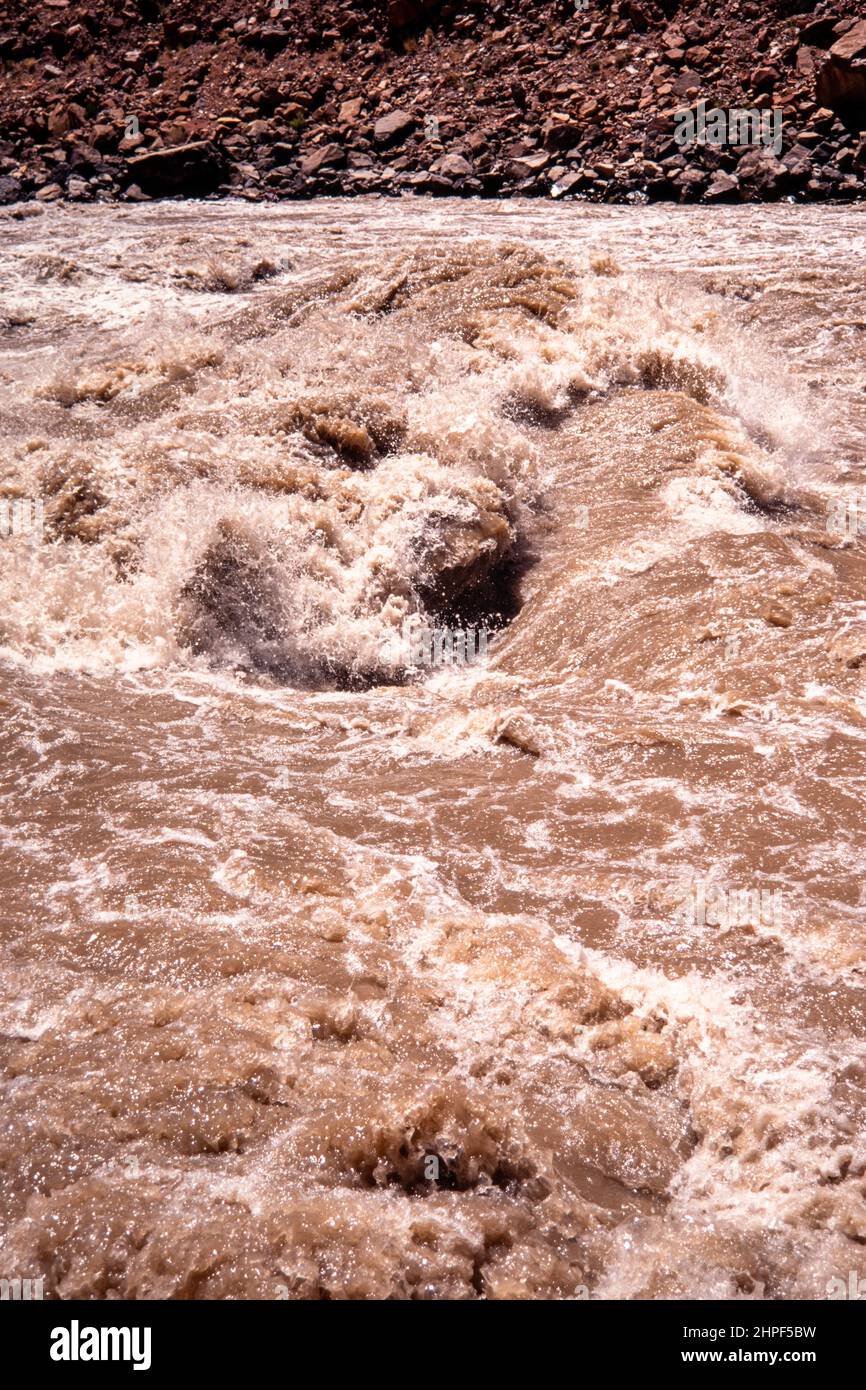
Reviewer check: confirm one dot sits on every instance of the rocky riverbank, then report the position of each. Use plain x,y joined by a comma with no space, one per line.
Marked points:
546,98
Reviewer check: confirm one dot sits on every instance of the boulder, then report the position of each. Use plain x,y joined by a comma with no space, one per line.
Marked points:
391,129
328,156
690,183
698,55
452,166
852,45
10,190
798,162
561,135
818,32
805,62
764,78
568,183
59,122
722,188
841,83
350,111
270,37
762,173
191,169
529,164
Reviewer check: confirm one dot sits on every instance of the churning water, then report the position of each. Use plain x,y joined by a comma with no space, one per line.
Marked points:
329,976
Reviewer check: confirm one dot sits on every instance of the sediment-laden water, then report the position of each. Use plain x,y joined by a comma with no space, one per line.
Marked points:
329,976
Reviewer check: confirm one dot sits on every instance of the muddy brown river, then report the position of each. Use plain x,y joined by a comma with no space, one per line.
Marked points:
327,972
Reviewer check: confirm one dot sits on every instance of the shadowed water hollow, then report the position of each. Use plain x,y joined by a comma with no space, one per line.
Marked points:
328,977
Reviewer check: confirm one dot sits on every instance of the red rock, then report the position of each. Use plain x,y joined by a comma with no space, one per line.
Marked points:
805,62
489,86
798,162
567,183
841,84
721,188
687,82
329,156
561,135
394,127
823,118
690,183
351,110
190,169
529,164
818,32
271,37
761,169
852,45
452,166
763,79
59,121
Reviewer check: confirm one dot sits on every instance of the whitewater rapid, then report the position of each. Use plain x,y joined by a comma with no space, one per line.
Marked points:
326,974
